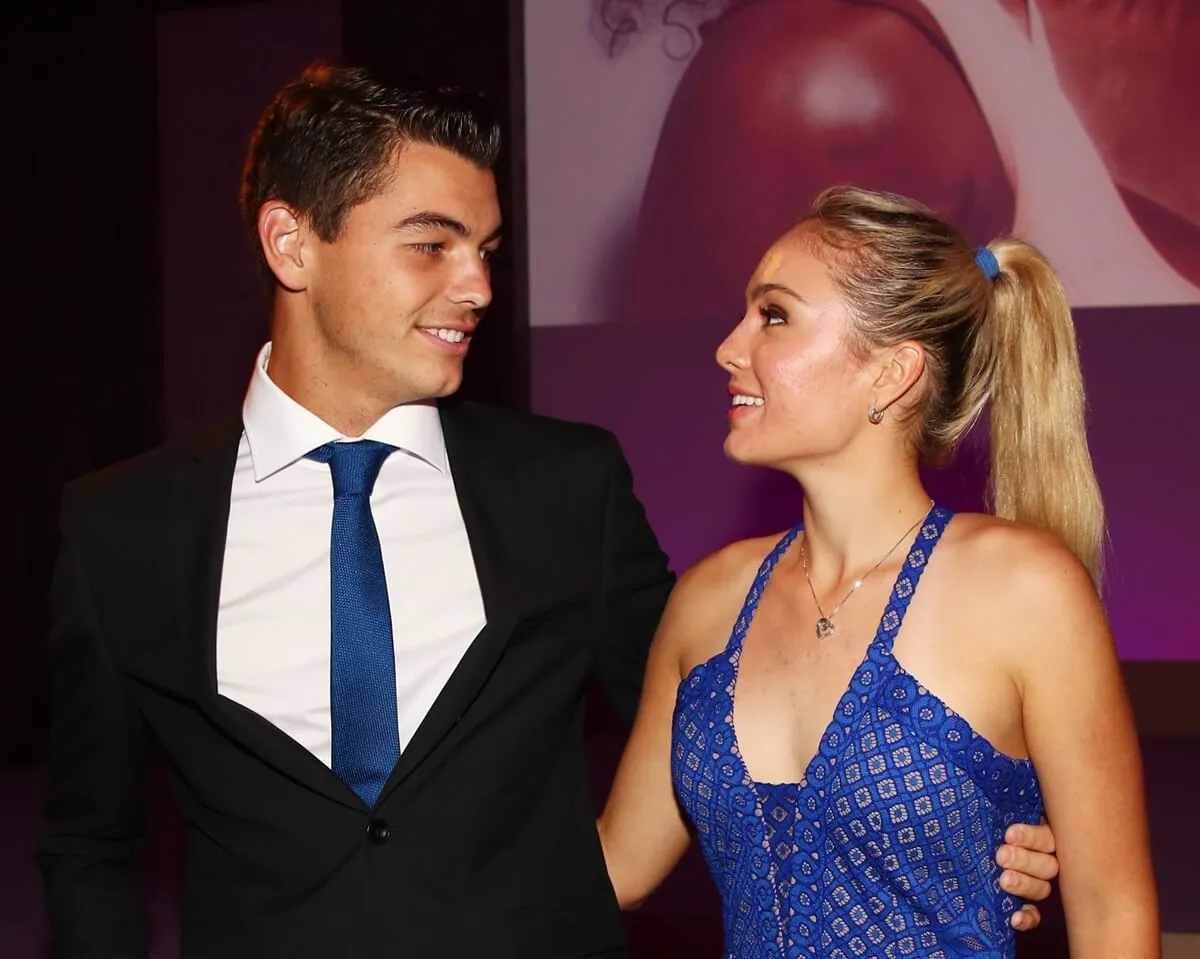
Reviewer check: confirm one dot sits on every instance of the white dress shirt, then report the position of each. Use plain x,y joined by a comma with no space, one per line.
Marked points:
273,625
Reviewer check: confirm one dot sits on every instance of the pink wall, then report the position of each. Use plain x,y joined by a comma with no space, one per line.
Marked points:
654,184
656,181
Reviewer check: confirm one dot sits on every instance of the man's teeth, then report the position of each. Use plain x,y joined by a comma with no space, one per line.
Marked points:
450,336
741,399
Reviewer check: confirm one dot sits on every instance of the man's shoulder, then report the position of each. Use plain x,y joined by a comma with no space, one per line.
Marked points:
145,477
530,433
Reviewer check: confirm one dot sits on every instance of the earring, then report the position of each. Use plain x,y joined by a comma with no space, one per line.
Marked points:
874,415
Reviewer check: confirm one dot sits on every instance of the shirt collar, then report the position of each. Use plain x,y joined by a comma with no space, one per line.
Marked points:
279,431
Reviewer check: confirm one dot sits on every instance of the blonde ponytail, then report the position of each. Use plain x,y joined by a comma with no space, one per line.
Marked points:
1041,470
907,274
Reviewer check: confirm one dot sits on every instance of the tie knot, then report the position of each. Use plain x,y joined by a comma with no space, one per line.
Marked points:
354,466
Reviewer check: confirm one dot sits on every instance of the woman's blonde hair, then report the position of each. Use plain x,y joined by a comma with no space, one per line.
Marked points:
1006,344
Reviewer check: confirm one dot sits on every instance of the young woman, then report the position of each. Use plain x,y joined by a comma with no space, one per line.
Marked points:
851,714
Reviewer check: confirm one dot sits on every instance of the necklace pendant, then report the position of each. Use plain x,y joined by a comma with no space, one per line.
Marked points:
825,628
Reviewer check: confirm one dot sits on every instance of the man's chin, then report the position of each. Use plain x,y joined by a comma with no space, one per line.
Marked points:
450,387
424,397
440,391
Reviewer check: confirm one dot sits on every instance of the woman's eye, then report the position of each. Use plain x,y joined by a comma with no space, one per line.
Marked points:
772,316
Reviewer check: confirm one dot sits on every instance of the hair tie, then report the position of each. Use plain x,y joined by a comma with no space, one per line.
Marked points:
986,260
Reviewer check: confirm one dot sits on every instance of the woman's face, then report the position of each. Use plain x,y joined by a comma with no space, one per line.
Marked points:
798,391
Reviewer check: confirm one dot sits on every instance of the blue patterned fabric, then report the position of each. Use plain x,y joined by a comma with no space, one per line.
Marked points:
362,674
886,847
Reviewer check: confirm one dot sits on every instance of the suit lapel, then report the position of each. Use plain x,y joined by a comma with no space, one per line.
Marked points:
201,517
487,497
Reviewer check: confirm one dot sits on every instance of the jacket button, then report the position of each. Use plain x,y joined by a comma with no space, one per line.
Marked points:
378,831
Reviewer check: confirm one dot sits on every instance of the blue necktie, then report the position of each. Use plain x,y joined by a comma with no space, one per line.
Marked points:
362,675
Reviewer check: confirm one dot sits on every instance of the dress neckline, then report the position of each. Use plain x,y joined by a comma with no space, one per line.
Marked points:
870,669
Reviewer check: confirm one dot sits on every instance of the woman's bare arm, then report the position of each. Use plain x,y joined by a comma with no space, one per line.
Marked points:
1080,734
643,830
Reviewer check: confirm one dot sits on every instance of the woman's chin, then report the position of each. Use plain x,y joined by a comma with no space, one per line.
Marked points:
741,450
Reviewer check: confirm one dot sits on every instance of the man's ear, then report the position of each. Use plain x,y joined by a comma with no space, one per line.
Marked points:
282,236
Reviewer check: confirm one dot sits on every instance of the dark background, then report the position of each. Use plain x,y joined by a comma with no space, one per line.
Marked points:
85,383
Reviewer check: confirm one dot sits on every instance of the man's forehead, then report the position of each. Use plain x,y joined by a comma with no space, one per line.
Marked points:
431,180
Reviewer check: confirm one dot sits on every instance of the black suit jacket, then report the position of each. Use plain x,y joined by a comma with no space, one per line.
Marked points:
483,842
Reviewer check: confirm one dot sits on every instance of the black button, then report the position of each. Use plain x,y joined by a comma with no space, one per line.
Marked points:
378,831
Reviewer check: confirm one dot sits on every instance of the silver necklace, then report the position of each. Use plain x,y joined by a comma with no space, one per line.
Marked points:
825,627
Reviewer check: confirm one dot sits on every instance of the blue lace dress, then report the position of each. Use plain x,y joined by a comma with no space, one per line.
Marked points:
886,847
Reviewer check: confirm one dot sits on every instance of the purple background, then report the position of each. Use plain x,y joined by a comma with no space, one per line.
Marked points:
658,388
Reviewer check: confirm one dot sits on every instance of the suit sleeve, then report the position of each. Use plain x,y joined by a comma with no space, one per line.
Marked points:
93,810
635,583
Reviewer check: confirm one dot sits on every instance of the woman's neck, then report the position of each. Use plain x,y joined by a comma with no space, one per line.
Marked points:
849,525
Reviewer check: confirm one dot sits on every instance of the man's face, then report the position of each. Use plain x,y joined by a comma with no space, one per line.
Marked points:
397,296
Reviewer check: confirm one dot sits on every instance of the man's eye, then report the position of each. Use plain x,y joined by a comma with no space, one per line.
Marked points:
426,247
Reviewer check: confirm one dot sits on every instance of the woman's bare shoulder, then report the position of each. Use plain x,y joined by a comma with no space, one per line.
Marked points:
708,597
740,558
1028,575
1008,552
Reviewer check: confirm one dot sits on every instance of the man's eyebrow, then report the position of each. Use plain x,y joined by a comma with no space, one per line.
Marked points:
429,220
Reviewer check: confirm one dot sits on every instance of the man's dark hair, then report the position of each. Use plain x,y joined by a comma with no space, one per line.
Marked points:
326,142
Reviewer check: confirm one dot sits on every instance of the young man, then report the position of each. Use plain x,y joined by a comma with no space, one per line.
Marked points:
360,620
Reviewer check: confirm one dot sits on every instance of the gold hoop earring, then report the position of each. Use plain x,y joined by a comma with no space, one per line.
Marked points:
874,415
